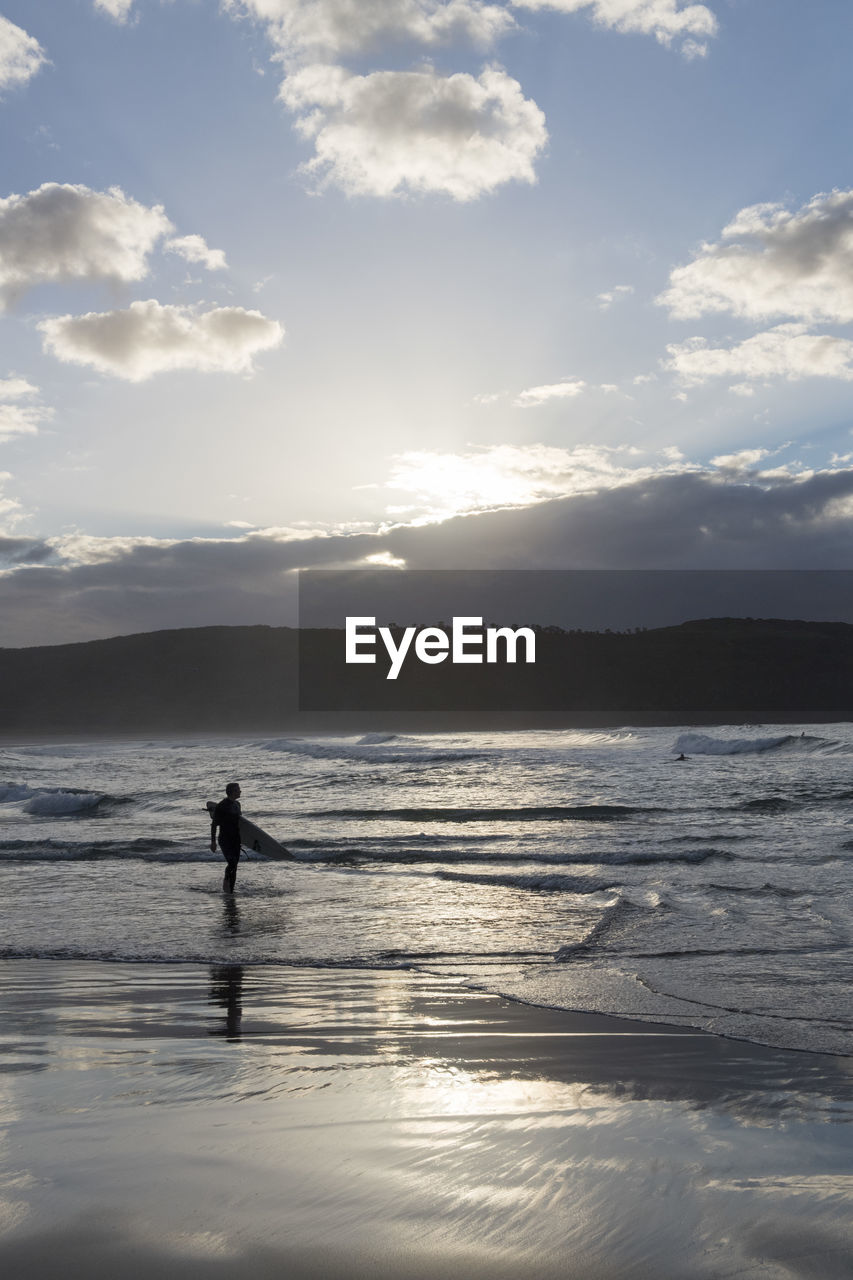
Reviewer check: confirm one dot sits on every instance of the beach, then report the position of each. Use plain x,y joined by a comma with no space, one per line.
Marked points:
237,1121
429,421
545,1005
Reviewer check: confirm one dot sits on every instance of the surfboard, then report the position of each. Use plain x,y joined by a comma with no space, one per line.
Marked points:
255,838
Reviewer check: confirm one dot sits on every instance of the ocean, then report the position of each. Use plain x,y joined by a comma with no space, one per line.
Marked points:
587,870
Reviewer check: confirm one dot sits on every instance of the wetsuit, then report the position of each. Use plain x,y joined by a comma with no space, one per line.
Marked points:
226,816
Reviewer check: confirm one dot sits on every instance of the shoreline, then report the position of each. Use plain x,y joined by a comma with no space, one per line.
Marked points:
623,1023
229,1120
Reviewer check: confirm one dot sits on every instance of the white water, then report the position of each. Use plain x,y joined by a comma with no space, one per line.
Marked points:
576,869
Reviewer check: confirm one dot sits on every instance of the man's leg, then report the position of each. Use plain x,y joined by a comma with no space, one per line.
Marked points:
232,857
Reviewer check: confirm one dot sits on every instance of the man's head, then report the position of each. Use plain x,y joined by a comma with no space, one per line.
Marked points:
232,790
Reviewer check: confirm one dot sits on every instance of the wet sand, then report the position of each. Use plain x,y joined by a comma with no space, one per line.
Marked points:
260,1122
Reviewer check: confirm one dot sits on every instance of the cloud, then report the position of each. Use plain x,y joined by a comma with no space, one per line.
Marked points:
771,262
395,131
11,512
789,351
699,519
194,249
21,55
534,396
335,28
16,388
703,519
447,484
666,20
62,232
740,463
606,300
150,338
19,550
118,9
19,419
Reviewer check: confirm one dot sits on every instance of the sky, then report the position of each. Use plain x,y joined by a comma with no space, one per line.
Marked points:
410,283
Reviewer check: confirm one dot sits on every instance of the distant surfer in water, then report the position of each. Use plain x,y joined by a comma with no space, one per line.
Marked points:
226,816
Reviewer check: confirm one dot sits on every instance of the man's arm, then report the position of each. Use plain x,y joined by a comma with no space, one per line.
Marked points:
214,822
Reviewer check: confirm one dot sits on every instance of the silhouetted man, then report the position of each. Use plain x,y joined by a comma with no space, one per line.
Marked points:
226,816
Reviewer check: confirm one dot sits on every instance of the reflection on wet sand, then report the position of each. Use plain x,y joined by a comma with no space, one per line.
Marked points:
226,991
396,1125
230,915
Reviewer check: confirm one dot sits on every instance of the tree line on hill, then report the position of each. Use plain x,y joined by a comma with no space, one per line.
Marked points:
224,680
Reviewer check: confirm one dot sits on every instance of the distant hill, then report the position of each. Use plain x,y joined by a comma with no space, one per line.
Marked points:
195,680
222,680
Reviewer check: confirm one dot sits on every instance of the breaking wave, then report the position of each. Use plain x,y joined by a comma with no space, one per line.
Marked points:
61,804
369,750
57,802
524,813
619,913
148,848
536,883
703,744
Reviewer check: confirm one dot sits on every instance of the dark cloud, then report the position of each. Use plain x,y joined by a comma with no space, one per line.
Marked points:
690,521
24,551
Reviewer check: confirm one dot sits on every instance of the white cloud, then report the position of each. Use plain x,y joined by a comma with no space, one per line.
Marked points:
19,419
334,28
447,484
21,55
739,463
606,300
384,560
63,232
150,338
16,388
11,512
534,396
787,351
194,249
395,131
118,9
771,262
666,20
